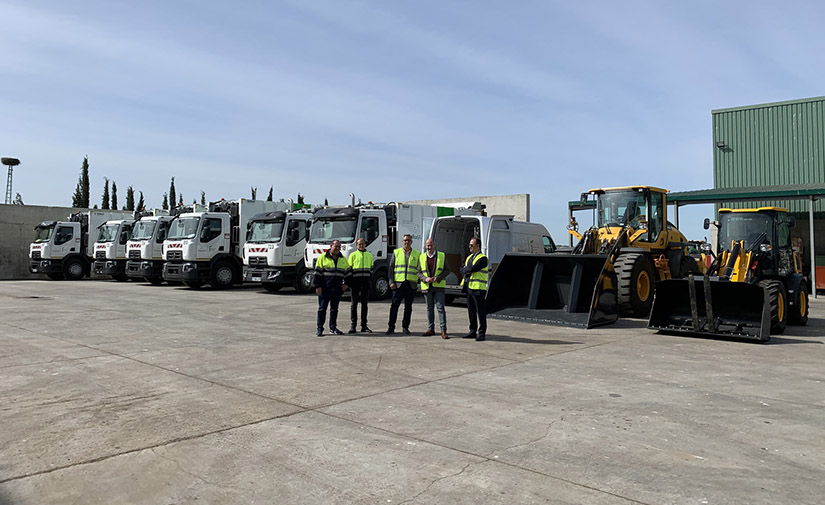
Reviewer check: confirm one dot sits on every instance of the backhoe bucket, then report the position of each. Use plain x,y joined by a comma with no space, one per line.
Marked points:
558,289
703,307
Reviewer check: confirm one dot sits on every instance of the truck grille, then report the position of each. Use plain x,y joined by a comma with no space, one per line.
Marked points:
174,255
35,255
100,255
134,255
257,261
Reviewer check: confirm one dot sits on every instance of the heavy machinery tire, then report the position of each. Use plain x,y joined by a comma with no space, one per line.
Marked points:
271,287
193,284
303,283
55,277
223,276
380,288
799,315
778,301
636,283
154,281
74,270
687,265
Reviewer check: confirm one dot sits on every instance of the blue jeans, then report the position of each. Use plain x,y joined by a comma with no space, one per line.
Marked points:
435,296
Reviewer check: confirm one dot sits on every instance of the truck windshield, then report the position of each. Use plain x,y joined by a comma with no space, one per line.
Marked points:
618,208
183,227
108,233
42,234
752,227
143,230
265,231
324,231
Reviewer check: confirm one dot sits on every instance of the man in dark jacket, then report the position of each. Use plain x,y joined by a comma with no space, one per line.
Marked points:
331,274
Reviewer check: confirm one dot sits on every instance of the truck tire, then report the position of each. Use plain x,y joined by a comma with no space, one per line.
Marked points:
799,315
223,275
193,284
636,283
271,287
303,282
74,270
778,301
380,286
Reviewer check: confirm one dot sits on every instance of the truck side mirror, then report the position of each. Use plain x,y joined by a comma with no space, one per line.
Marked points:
791,222
706,224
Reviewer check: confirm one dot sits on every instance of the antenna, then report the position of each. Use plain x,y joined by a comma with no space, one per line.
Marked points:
11,163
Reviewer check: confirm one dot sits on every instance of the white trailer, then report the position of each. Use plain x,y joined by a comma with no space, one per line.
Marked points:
62,249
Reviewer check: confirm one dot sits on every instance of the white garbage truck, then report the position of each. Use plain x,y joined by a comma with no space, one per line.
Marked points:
207,247
382,226
110,248
145,247
62,249
274,250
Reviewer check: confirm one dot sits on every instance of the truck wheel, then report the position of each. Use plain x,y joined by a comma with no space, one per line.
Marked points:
74,270
636,283
271,287
303,283
799,315
223,276
380,286
193,284
778,301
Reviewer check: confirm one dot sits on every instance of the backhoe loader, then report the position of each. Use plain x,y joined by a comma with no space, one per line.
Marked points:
611,271
752,289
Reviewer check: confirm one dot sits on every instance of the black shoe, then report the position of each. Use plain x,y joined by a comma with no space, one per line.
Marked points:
389,331
320,332
480,338
336,331
352,330
366,329
470,335
428,333
406,331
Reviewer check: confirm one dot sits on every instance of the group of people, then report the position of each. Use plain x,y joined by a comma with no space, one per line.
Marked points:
408,268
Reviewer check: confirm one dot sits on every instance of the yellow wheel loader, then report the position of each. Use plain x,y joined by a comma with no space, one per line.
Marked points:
611,271
752,289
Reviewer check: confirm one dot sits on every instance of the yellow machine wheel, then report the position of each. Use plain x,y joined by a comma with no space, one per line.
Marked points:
636,277
778,301
798,315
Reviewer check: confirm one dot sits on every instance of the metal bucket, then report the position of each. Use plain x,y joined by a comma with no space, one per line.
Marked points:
558,289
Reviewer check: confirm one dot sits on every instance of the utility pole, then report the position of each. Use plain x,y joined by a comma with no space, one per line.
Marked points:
11,163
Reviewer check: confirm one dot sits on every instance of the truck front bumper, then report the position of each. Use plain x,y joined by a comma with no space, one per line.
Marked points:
274,275
143,269
181,272
46,267
109,267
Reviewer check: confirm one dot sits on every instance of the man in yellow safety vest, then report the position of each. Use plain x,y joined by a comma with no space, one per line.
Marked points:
474,280
432,272
403,283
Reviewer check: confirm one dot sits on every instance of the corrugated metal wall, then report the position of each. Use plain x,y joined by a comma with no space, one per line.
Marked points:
770,145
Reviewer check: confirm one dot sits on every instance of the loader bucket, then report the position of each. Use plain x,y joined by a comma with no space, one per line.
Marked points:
704,307
558,289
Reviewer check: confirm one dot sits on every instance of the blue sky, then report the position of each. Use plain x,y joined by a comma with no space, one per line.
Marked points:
391,100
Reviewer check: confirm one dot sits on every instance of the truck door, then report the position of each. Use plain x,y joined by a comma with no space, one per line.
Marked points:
370,231
210,241
296,235
64,241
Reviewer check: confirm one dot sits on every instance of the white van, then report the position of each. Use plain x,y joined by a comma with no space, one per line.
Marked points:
498,234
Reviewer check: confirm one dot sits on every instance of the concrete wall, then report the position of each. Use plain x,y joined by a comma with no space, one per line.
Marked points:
17,224
515,205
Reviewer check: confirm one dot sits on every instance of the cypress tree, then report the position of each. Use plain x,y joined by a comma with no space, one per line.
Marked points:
254,192
114,196
172,194
166,201
84,184
203,197
105,203
269,198
141,204
130,198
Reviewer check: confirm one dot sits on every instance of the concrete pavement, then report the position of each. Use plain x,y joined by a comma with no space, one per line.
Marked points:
130,393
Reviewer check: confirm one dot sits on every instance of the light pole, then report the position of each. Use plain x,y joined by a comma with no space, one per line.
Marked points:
11,163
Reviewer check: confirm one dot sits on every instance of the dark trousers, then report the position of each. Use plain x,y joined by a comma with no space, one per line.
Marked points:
360,294
403,292
477,310
331,298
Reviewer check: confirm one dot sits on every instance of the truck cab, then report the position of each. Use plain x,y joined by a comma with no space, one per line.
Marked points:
110,248
498,234
145,247
274,250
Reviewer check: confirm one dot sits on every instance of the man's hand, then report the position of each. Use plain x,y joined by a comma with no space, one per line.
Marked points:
318,291
345,287
392,286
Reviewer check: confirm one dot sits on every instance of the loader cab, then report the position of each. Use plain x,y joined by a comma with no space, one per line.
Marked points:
639,208
764,231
